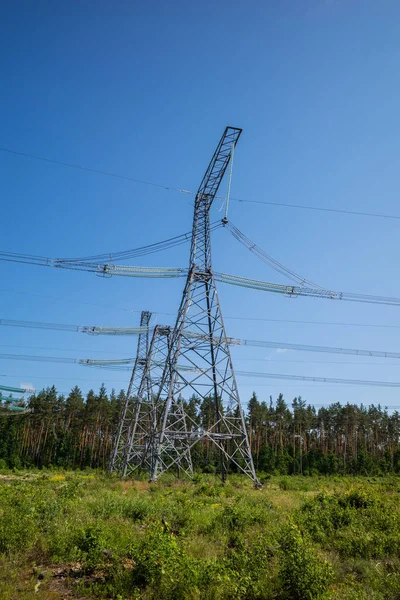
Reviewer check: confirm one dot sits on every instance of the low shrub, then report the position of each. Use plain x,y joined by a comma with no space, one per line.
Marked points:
303,574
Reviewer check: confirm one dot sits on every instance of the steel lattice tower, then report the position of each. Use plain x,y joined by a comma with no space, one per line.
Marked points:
140,419
129,418
199,360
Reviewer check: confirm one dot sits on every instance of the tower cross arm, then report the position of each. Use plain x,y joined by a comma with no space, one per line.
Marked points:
200,253
216,169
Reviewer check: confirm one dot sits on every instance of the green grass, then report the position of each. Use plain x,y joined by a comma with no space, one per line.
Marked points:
82,535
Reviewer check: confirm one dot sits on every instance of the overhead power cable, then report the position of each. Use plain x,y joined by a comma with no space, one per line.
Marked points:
123,381
344,211
282,376
69,300
278,346
298,322
39,325
121,331
57,349
267,258
96,330
107,270
30,357
90,329
90,170
190,193
132,330
128,365
327,349
267,361
102,270
141,251
320,379
295,291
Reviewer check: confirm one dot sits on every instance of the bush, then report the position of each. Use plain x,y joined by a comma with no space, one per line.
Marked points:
161,565
286,484
356,523
303,575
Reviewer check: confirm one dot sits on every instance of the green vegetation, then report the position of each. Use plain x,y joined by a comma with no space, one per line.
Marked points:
74,432
82,535
316,531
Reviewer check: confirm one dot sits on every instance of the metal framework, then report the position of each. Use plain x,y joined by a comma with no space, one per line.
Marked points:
129,419
205,366
134,448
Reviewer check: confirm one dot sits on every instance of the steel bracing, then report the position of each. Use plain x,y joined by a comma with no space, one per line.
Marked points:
129,418
140,421
201,365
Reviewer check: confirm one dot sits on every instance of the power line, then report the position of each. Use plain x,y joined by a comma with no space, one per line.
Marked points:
267,258
291,291
310,348
124,381
325,385
90,170
27,357
99,330
318,362
39,325
340,324
103,270
190,193
319,208
107,270
15,323
237,359
117,366
89,329
172,242
69,300
65,378
57,349
102,380
319,379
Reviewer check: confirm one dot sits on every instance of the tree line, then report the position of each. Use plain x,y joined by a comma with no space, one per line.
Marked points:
285,437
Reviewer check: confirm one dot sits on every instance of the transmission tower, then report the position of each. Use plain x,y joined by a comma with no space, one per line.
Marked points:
176,449
199,360
134,448
130,413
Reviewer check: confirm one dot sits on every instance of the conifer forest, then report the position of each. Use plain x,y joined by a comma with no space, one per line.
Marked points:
286,436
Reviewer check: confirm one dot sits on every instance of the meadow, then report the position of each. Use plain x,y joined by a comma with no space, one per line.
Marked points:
84,535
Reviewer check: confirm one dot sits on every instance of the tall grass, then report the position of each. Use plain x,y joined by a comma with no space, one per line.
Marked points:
66,533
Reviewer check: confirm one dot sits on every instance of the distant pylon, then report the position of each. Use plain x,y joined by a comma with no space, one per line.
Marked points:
141,415
201,364
130,412
140,454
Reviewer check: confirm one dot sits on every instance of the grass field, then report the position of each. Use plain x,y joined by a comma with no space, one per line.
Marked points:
82,535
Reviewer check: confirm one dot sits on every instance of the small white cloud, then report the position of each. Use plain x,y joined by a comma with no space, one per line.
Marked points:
27,386
281,350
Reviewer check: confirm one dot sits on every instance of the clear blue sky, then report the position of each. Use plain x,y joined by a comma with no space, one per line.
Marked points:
146,89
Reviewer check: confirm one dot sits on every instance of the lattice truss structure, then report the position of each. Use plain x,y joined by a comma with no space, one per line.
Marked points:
130,415
199,361
154,432
142,413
